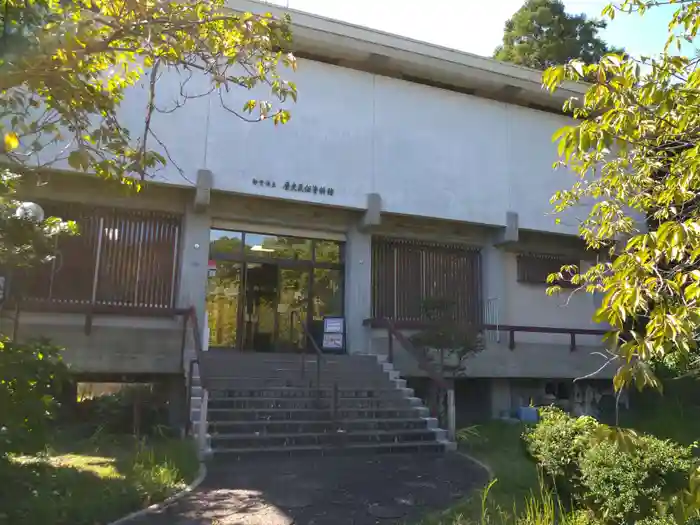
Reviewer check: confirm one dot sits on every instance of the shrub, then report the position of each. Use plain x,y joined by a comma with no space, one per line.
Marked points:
556,443
626,486
30,375
616,484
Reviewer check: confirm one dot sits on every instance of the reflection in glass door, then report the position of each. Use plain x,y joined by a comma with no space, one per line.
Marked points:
294,297
223,291
327,293
261,289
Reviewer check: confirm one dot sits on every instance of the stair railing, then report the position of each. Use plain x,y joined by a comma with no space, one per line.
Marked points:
200,340
426,365
295,315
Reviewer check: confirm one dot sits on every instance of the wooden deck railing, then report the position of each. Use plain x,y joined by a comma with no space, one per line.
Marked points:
510,329
121,258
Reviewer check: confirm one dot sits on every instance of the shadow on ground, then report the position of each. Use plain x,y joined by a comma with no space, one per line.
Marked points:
324,491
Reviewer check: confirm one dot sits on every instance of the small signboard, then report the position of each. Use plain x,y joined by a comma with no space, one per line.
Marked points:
333,341
334,325
334,334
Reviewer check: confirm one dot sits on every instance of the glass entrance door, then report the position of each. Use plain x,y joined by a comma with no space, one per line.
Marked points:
256,282
260,305
292,307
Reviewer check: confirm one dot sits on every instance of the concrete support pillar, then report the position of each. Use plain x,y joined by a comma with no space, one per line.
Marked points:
500,397
358,290
194,265
176,391
194,257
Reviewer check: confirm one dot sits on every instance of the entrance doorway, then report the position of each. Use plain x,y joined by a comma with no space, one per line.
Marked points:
264,289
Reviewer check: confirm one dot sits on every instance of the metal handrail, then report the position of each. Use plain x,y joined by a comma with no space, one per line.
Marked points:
308,337
190,315
188,399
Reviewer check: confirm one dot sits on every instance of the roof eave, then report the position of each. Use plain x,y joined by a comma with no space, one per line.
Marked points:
365,49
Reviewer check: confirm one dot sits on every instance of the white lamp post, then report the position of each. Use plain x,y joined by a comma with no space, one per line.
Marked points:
30,211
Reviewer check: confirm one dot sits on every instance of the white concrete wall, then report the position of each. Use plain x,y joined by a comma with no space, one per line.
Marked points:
428,152
527,304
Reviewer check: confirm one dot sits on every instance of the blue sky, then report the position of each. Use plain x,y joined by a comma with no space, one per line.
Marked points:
476,26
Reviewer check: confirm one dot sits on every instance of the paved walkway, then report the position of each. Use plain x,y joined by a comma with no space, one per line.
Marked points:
350,490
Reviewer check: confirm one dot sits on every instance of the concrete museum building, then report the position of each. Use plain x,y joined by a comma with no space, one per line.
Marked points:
407,172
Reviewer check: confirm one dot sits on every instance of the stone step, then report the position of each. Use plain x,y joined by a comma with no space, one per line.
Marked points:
375,376
357,383
294,392
426,447
262,403
338,438
307,414
233,366
316,427
293,357
286,393
295,364
296,372
311,402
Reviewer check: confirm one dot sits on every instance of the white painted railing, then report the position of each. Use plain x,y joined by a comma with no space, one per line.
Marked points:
492,316
204,404
451,415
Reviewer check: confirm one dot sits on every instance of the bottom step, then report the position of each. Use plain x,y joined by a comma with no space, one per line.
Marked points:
374,448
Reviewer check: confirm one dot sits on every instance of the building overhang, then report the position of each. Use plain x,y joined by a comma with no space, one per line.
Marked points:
361,48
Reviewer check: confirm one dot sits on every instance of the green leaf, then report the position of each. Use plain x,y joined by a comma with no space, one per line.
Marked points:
79,159
11,141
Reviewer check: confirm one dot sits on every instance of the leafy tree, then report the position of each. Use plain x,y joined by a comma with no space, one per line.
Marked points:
447,343
542,34
30,374
636,150
66,68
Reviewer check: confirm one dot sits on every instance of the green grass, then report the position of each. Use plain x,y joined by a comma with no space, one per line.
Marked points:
673,415
93,482
517,494
498,445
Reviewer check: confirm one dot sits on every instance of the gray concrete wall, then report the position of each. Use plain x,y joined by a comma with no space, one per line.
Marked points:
260,214
527,360
396,138
536,355
84,188
115,344
508,302
473,401
500,397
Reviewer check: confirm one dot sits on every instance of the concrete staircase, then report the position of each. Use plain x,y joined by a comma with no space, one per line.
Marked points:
261,403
